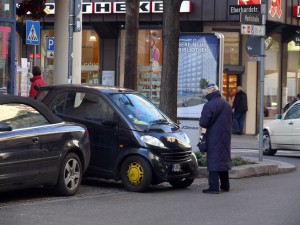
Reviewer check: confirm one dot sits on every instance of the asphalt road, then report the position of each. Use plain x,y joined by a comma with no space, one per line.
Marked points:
268,200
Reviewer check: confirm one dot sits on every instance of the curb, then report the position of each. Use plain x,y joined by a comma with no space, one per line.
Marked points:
261,168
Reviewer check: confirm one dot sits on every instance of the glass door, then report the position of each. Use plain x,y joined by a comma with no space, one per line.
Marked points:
229,86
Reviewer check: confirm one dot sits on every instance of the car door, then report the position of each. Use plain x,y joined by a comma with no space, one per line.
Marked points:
20,149
283,130
100,119
294,112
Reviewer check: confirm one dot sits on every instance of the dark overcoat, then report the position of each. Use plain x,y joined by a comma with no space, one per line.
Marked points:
216,117
240,102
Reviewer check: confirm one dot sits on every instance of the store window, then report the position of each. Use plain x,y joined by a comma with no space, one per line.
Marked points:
293,73
149,64
90,57
5,59
231,48
272,68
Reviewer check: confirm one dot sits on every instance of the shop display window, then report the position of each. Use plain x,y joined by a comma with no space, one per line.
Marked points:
149,64
272,70
5,60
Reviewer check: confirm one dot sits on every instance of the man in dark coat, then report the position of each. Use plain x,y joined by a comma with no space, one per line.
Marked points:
216,118
239,109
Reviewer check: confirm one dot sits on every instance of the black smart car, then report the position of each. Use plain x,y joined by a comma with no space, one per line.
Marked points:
131,139
38,149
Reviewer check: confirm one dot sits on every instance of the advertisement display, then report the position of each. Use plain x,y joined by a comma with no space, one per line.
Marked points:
200,62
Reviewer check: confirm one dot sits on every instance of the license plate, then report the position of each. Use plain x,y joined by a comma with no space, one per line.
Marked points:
176,167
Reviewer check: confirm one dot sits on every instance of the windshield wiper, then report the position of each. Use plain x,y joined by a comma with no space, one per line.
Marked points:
159,121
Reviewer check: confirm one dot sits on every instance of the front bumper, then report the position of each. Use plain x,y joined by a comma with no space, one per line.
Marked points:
172,166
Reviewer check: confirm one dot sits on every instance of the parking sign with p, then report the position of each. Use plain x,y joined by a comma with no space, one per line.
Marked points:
50,47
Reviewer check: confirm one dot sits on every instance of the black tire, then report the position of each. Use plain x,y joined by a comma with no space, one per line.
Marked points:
136,174
181,183
70,175
267,150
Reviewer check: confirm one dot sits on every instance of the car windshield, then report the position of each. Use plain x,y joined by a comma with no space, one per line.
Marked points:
140,110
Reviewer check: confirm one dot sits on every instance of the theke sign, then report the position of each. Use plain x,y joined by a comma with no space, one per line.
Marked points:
249,2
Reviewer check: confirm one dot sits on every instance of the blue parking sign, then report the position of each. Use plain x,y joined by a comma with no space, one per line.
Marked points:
50,43
32,32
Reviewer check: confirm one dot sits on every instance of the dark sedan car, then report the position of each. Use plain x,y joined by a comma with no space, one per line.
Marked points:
37,148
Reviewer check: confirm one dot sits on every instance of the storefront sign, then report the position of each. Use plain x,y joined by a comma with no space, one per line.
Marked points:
120,7
237,9
276,10
296,11
249,2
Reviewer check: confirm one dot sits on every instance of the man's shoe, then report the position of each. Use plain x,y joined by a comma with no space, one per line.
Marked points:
209,191
224,190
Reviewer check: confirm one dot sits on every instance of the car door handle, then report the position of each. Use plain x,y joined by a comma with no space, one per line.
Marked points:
35,140
291,123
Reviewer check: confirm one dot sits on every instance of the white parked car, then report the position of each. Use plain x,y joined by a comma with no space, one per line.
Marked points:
283,133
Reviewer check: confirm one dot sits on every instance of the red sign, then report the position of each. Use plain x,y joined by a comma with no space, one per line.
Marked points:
249,2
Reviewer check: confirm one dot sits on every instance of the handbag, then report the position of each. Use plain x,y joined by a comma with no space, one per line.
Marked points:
202,144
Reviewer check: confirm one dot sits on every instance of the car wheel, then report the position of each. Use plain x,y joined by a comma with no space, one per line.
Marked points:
181,183
136,174
70,175
267,150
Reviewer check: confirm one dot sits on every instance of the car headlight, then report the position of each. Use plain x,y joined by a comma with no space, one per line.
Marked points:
150,140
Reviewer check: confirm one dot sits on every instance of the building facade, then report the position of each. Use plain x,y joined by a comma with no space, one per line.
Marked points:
103,49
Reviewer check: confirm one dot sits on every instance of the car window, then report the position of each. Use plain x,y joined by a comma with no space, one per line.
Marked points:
41,95
21,116
293,112
88,106
138,109
58,104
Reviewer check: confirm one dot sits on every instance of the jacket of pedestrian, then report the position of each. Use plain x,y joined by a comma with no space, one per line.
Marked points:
36,80
216,117
240,102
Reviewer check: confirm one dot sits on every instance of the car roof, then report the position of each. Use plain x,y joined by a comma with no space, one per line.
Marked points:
51,117
97,87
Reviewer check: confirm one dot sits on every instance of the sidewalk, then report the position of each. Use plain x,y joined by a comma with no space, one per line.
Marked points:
261,168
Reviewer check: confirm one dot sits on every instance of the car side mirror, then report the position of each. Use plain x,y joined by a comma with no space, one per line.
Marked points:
5,126
278,116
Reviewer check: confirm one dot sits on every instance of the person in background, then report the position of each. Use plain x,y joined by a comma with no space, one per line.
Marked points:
36,80
239,109
288,105
216,118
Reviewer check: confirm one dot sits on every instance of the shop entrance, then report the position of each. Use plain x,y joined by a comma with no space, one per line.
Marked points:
230,82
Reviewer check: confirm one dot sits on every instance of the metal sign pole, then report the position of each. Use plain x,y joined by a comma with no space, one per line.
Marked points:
34,55
262,84
70,50
262,88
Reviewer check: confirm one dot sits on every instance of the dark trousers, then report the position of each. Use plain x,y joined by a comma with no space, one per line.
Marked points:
238,121
213,180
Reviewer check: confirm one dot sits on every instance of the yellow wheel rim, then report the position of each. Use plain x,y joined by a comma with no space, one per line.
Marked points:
135,173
